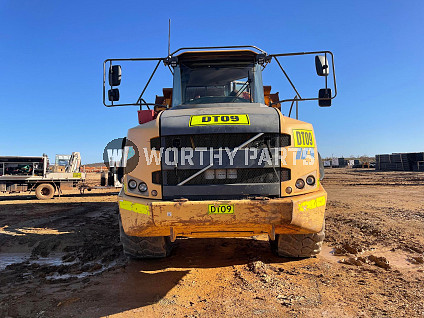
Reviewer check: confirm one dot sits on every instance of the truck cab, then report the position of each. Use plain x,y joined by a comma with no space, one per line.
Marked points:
217,77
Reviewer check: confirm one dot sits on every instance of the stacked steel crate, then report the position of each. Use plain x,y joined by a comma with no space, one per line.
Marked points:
418,161
400,162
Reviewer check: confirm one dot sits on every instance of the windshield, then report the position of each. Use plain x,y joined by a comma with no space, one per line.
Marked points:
217,84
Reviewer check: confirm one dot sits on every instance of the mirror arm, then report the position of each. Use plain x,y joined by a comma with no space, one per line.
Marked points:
310,99
144,103
104,83
300,99
159,59
327,67
110,86
334,75
288,78
138,105
147,84
305,53
291,106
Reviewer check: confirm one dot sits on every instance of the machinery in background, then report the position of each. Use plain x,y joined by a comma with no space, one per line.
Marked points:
20,174
112,177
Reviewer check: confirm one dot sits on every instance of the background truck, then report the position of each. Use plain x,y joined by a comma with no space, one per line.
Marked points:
19,174
217,157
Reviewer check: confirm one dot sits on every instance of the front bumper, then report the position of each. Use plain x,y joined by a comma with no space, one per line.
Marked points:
291,215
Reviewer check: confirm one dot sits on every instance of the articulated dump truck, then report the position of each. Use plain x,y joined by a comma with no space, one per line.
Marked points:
215,156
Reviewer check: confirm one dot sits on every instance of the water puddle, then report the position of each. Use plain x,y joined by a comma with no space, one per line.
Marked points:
56,259
101,269
7,259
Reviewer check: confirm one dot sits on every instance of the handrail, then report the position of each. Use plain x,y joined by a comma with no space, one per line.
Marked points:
219,47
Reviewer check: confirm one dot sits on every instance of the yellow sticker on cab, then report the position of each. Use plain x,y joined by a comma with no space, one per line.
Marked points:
221,209
303,138
222,119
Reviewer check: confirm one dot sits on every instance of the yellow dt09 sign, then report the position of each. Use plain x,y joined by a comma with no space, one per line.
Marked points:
222,119
303,138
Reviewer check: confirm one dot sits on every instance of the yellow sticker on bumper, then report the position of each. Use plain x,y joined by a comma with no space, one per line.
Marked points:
135,207
312,204
224,119
303,138
221,209
77,175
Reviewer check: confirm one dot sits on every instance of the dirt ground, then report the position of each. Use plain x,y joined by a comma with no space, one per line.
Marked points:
62,258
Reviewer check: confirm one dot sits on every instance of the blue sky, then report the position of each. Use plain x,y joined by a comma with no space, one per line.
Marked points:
52,54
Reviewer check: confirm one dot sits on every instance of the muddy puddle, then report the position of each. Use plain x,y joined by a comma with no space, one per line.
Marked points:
59,268
389,258
7,259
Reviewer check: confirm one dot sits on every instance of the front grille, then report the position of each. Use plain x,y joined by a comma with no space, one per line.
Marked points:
230,141
236,181
251,175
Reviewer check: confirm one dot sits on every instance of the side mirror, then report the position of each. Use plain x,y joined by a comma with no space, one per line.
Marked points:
113,95
324,93
115,75
321,65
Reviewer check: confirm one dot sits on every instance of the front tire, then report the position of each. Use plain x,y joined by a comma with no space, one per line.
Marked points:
145,247
298,245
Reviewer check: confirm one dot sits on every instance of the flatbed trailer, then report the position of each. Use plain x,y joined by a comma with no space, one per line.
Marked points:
21,174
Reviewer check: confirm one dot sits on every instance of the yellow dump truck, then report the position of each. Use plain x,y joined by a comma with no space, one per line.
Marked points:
215,156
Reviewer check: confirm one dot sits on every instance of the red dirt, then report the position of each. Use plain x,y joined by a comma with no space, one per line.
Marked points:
68,262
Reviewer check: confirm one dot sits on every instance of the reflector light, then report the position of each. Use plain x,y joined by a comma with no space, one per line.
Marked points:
300,184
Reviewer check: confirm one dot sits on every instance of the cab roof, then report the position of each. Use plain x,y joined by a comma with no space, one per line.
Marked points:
221,55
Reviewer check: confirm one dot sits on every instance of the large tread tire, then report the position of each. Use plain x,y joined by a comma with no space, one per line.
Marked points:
298,245
44,191
145,247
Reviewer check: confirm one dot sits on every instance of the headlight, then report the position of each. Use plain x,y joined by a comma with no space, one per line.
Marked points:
132,184
310,180
300,184
142,187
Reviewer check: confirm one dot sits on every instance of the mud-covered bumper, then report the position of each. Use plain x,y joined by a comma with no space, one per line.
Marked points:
297,214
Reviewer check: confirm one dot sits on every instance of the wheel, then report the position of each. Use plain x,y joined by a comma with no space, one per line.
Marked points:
145,247
44,191
298,245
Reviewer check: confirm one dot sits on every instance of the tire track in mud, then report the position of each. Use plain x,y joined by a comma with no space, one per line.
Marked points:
85,245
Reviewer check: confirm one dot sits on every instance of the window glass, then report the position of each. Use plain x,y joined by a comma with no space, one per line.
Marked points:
217,84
